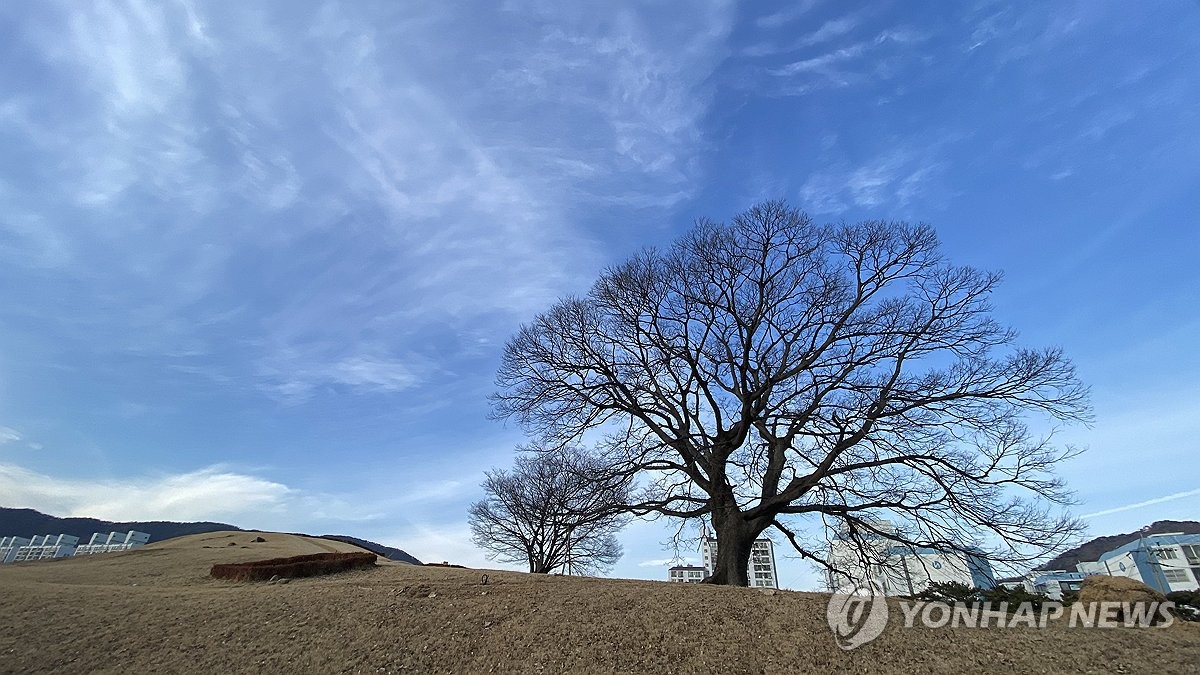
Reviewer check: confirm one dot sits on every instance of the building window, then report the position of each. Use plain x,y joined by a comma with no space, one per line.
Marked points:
1177,576
1165,553
1192,553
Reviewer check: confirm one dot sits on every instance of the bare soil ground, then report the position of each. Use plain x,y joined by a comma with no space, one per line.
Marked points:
156,610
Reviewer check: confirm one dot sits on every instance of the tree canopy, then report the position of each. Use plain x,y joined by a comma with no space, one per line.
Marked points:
549,512
771,369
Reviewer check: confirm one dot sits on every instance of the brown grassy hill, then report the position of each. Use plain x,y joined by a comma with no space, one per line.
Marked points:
27,522
156,610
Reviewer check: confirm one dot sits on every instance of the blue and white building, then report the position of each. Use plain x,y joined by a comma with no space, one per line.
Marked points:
1164,562
899,569
1054,583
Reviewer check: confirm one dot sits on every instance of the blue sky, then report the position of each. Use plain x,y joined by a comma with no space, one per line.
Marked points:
258,260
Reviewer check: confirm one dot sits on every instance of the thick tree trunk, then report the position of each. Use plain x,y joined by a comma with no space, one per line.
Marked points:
536,565
735,539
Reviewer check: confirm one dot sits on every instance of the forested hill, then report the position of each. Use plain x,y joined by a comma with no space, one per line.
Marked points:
27,523
1093,549
385,551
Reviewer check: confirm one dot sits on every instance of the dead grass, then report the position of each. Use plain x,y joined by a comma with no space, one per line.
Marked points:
157,610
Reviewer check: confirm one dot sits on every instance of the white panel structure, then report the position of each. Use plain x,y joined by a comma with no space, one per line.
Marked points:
110,542
49,546
9,547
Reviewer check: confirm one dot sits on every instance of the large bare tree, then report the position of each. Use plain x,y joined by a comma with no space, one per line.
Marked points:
770,370
551,512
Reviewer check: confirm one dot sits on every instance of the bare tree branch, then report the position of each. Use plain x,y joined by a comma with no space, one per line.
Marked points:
771,368
556,510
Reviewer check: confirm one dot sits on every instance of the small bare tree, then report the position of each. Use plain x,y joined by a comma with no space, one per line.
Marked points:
770,369
551,512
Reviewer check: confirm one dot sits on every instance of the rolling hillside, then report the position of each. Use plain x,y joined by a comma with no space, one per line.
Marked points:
156,609
28,522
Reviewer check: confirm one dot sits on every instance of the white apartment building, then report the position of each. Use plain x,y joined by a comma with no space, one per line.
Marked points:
107,542
760,573
1165,562
9,547
686,574
46,547
897,569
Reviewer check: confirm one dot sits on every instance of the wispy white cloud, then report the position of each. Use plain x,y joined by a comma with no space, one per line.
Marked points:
823,64
832,29
210,493
216,493
9,435
791,13
858,59
406,205
896,177
827,31
295,377
132,58
1142,504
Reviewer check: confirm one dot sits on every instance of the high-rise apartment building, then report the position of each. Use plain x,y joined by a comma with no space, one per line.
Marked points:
761,572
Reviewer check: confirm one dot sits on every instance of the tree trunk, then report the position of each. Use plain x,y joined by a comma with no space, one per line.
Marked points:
735,539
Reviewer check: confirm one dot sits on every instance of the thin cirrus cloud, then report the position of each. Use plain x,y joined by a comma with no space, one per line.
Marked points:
216,154
896,177
827,31
793,12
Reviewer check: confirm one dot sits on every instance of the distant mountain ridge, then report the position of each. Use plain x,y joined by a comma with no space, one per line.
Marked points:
1091,550
378,549
28,522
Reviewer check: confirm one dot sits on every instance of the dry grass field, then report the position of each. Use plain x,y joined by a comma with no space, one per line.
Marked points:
156,610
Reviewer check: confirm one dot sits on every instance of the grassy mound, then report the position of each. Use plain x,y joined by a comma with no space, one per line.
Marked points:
1101,588
297,566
